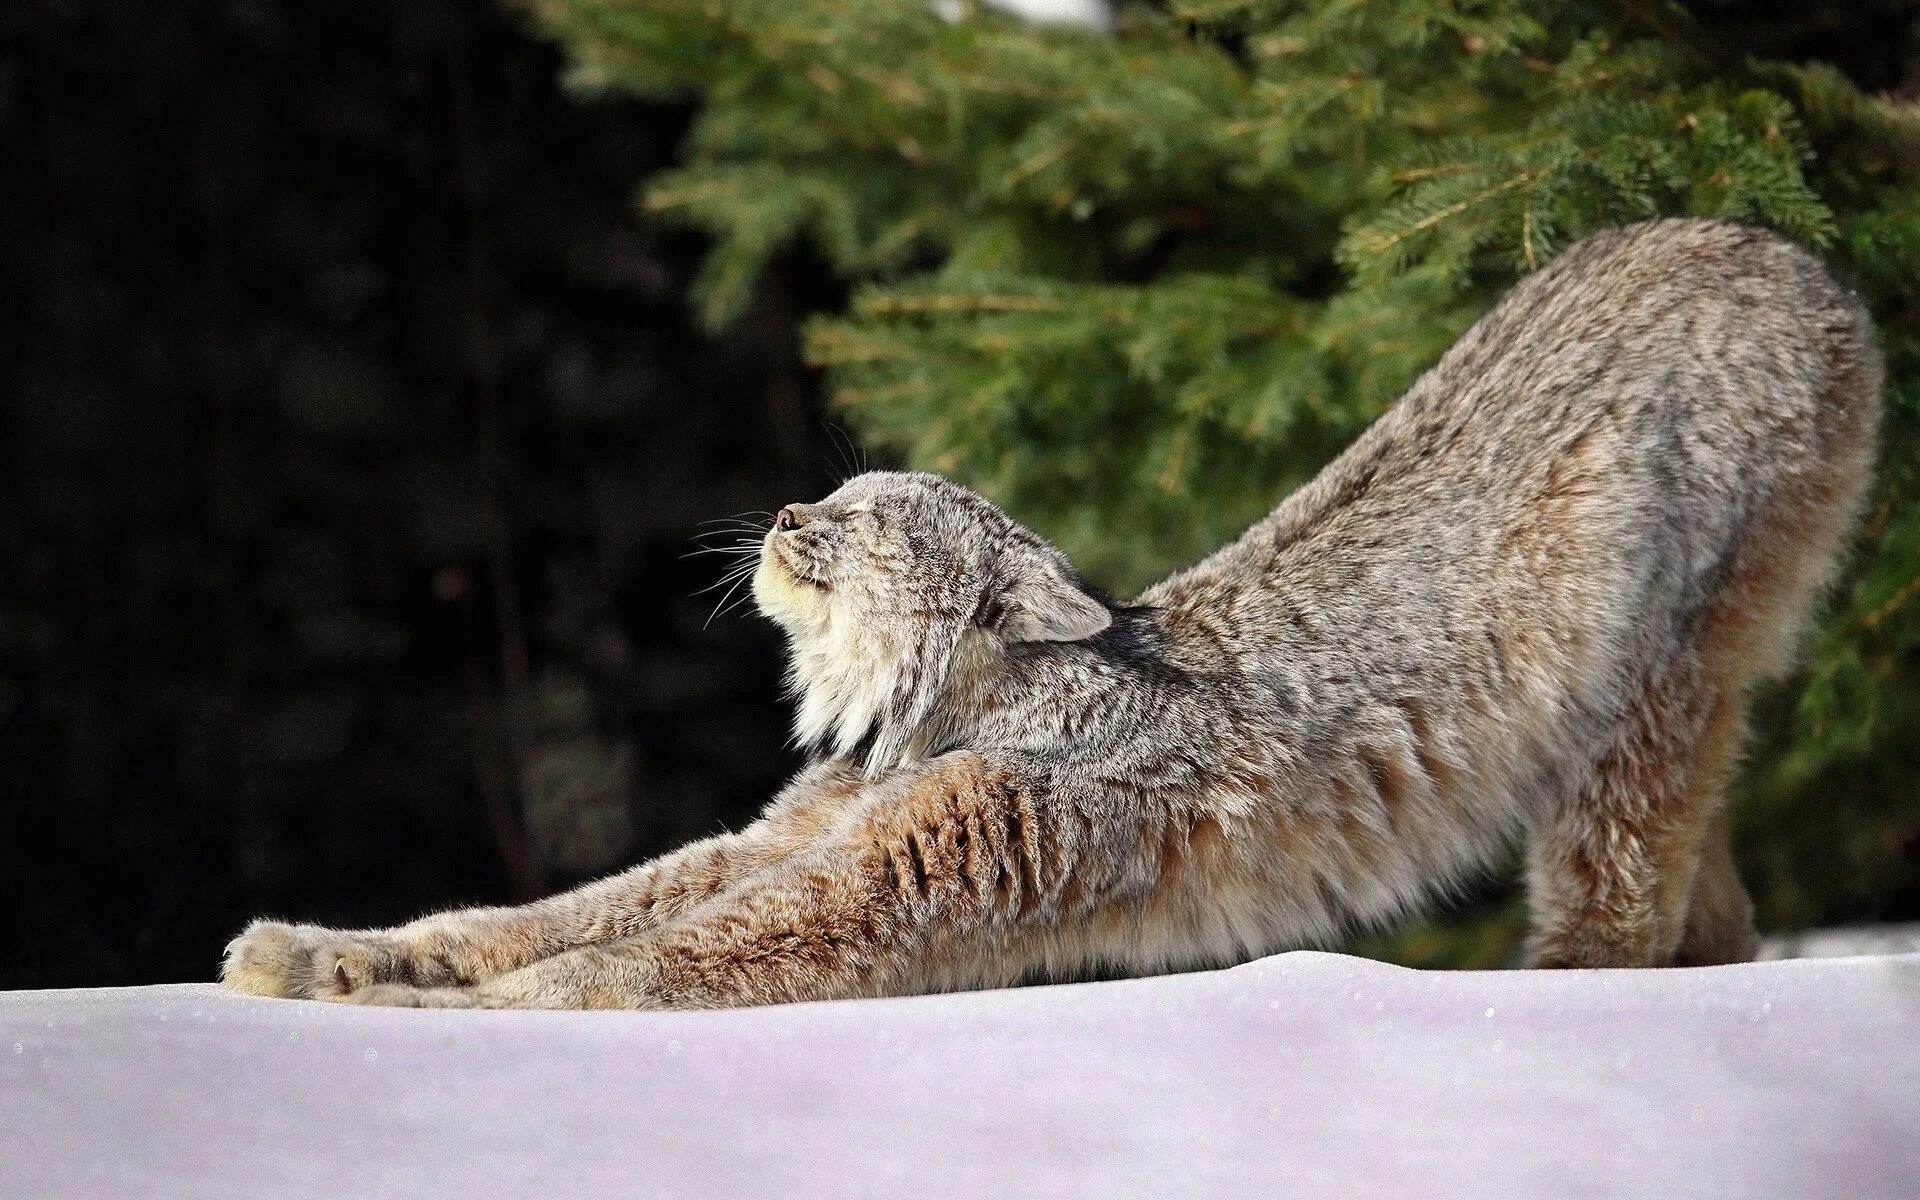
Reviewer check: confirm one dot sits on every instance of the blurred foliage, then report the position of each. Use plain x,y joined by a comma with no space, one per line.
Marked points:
1137,286
324,323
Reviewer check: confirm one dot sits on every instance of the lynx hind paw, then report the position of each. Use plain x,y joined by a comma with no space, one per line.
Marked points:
304,962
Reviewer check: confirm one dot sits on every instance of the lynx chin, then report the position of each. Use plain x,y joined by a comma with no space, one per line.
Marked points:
1529,603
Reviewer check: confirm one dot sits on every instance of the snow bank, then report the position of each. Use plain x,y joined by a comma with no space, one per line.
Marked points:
1313,1075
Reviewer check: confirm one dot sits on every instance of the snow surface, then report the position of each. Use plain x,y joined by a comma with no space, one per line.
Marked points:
1305,1074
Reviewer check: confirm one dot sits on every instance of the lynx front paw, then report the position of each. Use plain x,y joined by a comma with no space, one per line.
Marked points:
406,995
269,959
306,962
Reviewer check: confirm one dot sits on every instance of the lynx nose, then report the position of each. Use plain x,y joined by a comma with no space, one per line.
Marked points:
788,519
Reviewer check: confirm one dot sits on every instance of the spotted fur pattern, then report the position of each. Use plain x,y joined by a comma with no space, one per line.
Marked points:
1529,602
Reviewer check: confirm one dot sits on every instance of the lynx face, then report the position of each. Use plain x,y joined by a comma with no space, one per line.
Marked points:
899,593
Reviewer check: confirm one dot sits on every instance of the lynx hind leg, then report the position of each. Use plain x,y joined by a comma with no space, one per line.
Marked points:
1716,917
1611,870
1719,922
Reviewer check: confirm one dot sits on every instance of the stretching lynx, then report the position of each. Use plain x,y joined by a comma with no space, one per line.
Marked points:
1531,600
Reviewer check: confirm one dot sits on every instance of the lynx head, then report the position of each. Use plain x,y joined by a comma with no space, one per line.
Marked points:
900,595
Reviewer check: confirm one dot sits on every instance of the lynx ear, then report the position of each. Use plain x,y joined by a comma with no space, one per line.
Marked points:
1043,602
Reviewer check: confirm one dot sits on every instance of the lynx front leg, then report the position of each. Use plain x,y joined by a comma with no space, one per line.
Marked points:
940,886
471,946
803,929
1610,872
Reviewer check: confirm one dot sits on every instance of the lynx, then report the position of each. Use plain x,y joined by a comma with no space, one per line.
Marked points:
1529,602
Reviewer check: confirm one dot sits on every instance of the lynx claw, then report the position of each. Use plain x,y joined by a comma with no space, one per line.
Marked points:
345,968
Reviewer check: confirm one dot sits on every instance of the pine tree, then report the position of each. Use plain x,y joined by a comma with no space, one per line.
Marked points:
1135,285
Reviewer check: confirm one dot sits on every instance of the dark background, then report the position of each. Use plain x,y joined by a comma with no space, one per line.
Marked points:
353,434
352,439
